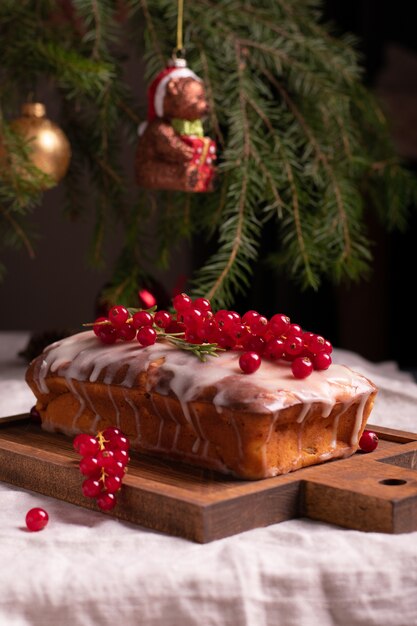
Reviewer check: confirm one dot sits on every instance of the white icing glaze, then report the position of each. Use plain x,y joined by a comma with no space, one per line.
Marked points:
177,425
358,421
137,418
82,357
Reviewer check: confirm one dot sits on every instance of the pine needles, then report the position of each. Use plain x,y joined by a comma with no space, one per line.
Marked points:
304,149
301,140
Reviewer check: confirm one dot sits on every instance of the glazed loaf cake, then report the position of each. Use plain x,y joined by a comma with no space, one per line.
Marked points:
209,413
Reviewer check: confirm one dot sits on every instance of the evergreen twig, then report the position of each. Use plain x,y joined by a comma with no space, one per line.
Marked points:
303,146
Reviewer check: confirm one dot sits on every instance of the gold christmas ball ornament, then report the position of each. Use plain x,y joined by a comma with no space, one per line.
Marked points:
50,150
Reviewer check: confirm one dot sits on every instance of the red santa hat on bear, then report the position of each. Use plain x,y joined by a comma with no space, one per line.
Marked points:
158,87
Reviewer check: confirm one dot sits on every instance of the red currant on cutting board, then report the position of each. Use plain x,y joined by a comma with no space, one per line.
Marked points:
369,441
104,462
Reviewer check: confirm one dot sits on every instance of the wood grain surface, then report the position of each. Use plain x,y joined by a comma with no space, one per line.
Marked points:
370,492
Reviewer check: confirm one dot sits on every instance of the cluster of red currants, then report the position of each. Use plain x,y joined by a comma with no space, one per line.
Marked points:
120,324
104,462
195,323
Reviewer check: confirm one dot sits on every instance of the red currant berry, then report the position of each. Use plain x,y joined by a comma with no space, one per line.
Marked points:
191,317
254,344
317,344
307,336
122,456
249,362
322,361
236,317
162,319
237,332
201,330
250,317
126,332
293,345
110,432
118,315
112,484
97,326
86,445
36,519
259,326
328,347
146,299
106,501
369,441
209,331
279,324
118,443
175,327
274,349
107,334
91,488
202,304
105,459
35,415
224,319
295,329
89,467
146,336
116,468
181,302
142,318
224,340
301,367
192,336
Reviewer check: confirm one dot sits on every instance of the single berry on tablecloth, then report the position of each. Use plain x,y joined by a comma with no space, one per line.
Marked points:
36,519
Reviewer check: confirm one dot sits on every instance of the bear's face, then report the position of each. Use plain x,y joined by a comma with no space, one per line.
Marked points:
185,99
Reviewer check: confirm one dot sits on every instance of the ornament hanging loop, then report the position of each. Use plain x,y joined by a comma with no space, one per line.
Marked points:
178,54
177,58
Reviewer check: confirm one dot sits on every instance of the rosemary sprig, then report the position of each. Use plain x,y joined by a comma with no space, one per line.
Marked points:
200,350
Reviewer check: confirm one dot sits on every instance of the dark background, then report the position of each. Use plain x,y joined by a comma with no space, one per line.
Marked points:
373,318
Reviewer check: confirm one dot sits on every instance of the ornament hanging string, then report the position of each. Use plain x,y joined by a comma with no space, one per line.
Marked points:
180,21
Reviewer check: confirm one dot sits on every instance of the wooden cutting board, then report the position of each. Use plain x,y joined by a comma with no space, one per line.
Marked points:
370,492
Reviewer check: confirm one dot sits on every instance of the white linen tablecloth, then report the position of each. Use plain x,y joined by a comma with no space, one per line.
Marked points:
87,569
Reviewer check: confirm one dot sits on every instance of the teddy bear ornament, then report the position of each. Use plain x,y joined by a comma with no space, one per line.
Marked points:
172,151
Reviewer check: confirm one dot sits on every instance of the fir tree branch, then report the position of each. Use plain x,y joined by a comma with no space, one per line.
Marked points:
129,111
302,142
345,138
209,92
151,27
97,31
224,274
265,171
19,231
294,194
323,158
288,61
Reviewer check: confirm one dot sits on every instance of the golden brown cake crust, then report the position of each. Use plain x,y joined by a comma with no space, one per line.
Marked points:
207,414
